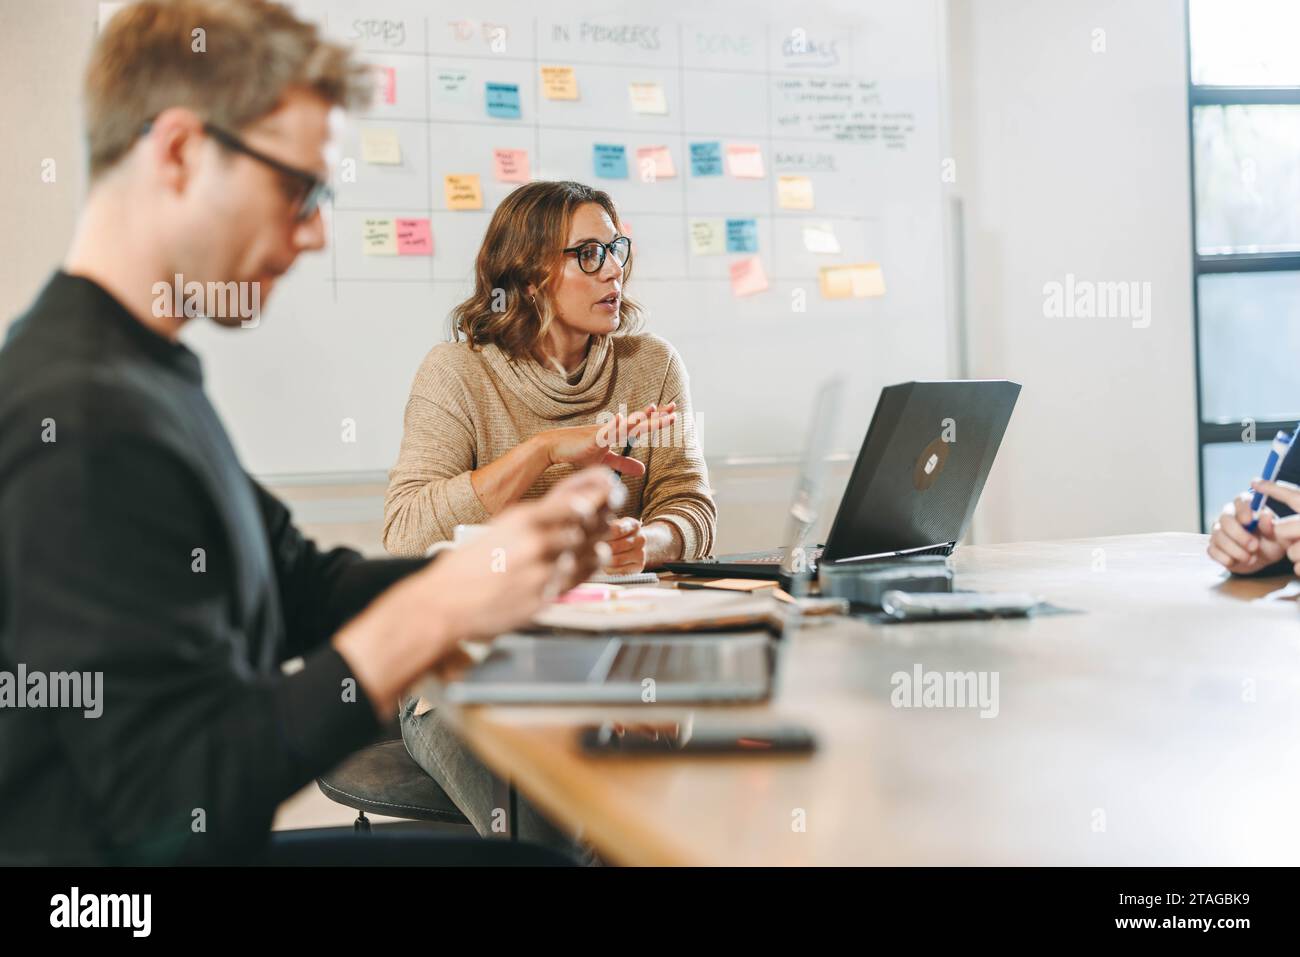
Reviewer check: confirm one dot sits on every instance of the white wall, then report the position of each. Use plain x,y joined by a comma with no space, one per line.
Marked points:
1070,161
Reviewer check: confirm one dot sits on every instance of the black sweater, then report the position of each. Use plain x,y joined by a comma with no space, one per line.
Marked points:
114,471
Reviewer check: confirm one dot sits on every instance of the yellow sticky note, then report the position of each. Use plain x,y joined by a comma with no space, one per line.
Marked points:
379,237
745,160
462,191
794,192
855,281
382,147
747,276
708,237
647,98
654,162
559,83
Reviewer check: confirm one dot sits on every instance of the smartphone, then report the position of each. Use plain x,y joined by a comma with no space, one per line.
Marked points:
930,606
688,737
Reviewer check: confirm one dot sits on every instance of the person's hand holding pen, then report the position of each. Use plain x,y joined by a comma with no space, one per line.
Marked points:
586,445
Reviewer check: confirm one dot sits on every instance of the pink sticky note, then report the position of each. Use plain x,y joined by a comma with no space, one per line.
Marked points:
745,160
511,166
654,162
388,83
414,238
585,593
747,276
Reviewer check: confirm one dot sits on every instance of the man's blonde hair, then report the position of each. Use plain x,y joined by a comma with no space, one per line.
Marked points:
250,53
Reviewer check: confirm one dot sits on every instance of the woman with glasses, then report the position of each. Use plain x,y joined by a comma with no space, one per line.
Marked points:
547,374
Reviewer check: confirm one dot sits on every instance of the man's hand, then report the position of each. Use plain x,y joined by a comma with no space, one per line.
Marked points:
1238,550
1282,534
493,583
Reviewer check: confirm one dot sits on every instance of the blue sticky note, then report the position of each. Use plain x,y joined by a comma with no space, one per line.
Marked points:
706,159
610,160
503,100
742,236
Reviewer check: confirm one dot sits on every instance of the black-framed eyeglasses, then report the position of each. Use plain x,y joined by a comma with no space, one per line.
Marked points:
310,190
591,254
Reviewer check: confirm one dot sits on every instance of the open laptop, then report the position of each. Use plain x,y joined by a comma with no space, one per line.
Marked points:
681,669
916,483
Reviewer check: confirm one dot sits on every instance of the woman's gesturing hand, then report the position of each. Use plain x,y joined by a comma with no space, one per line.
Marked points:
586,445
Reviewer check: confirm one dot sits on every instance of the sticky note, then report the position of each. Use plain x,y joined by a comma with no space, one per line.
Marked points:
794,192
706,159
381,147
559,83
708,237
747,276
609,160
742,236
855,281
745,160
647,98
379,237
820,238
503,100
511,165
388,84
451,85
462,191
413,237
654,163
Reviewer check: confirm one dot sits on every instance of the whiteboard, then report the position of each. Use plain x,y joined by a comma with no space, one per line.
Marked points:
847,94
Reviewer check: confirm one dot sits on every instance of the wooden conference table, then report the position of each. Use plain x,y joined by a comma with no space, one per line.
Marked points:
1159,726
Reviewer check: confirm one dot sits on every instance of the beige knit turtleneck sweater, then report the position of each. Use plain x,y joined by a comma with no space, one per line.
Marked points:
469,407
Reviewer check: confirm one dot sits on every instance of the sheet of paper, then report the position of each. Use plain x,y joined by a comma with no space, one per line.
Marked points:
654,163
609,160
414,237
647,98
708,237
706,159
451,85
794,192
503,101
462,191
820,238
511,165
559,83
742,236
853,281
381,147
379,237
745,160
747,276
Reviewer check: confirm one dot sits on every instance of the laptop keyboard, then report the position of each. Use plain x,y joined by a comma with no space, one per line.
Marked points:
664,662
776,558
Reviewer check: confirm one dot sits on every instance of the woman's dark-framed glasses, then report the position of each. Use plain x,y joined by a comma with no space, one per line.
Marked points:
591,254
310,191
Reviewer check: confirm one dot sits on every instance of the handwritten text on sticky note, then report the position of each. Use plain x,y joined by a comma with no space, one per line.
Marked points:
747,276
511,165
706,159
559,83
647,98
381,147
794,192
462,191
708,237
742,236
609,160
379,237
745,160
414,237
503,100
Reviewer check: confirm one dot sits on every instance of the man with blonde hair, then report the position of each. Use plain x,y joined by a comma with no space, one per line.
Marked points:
135,549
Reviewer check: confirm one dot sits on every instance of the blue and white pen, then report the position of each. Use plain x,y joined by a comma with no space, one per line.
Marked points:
1276,453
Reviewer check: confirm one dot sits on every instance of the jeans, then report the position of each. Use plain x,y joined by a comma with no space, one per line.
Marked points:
472,787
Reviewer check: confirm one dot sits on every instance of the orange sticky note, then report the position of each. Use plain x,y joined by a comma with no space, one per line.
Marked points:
745,160
747,276
414,237
794,192
559,83
853,281
511,166
653,163
462,191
